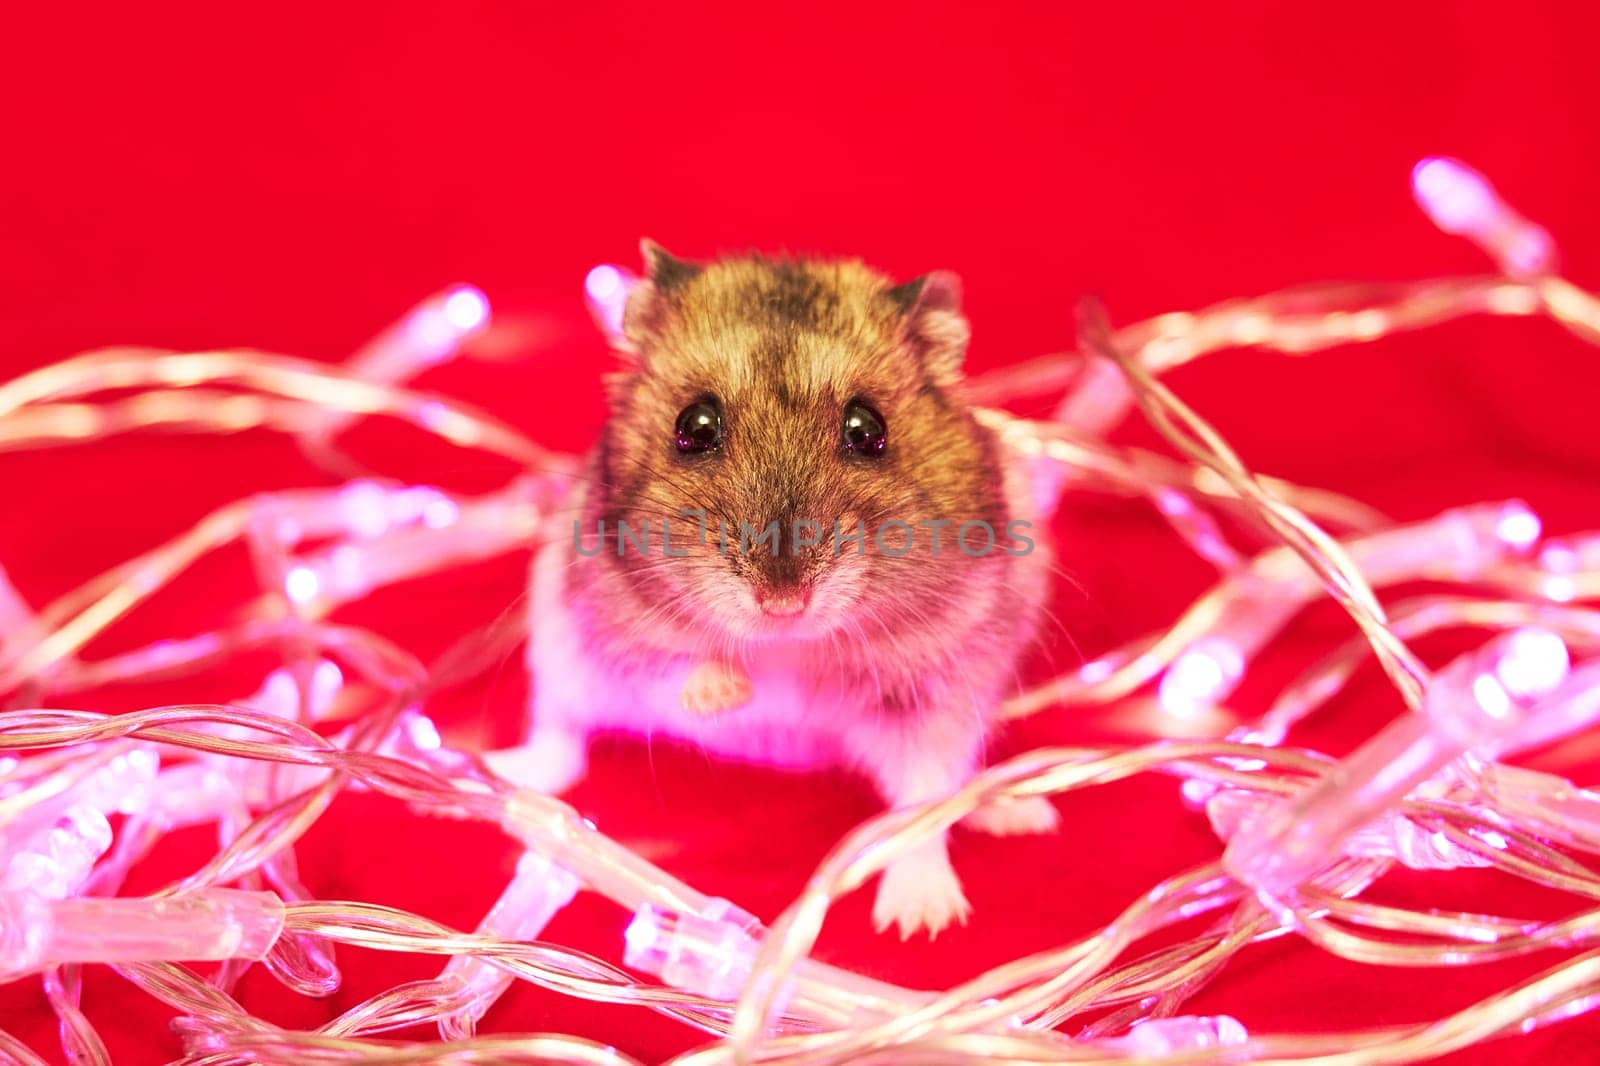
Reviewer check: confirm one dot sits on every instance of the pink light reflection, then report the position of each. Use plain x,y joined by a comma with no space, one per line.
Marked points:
605,289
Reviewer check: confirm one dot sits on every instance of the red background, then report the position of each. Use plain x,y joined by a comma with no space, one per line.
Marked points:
293,178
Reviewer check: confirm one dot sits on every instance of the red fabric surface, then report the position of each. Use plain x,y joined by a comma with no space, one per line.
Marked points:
292,178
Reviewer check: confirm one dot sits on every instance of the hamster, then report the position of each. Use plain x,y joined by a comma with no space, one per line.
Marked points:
794,545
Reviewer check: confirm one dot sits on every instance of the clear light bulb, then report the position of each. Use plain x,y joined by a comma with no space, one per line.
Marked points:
538,889
1461,201
1468,705
709,953
209,923
430,333
57,862
1185,1034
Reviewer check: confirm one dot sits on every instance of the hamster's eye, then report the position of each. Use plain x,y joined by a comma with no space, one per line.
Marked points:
865,431
700,427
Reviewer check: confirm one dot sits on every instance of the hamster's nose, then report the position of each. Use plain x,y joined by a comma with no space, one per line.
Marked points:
782,603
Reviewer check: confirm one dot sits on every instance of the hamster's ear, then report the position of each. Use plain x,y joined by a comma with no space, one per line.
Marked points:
650,299
667,273
934,325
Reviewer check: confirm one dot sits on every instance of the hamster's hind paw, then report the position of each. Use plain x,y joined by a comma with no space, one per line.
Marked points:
552,761
714,687
920,891
1030,814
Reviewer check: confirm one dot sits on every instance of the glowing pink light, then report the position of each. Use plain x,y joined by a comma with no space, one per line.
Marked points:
434,330
604,283
1535,662
644,932
1492,698
1200,678
605,289
1096,671
1560,589
428,334
302,584
466,308
1173,503
1518,526
1560,559
1176,1036
365,508
434,415
424,734
1461,201
1457,198
1571,708
432,507
440,513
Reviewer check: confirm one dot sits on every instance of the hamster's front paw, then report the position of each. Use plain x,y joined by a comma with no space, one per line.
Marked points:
1030,814
714,687
920,891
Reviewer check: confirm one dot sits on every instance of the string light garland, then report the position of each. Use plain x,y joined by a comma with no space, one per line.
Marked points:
1304,835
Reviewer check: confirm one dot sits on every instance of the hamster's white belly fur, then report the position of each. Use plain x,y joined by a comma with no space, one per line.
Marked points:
795,717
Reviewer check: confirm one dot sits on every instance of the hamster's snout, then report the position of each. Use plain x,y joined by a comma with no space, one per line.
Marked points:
778,574
781,571
781,603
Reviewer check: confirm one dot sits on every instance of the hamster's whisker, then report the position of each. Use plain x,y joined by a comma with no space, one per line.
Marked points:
690,492
1059,628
